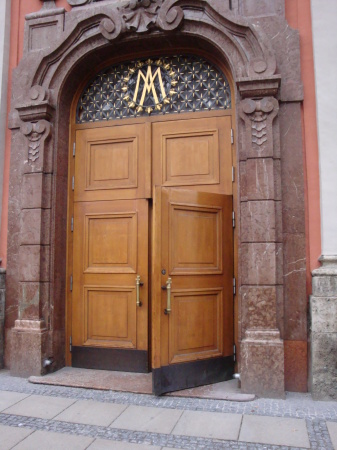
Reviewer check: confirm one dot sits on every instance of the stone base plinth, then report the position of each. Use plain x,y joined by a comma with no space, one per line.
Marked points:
323,314
2,315
28,341
262,364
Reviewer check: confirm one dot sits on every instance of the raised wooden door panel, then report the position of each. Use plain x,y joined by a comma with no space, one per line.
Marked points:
195,324
112,163
110,316
195,239
194,153
110,250
110,242
195,235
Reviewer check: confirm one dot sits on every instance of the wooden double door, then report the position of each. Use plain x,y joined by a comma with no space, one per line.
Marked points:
151,250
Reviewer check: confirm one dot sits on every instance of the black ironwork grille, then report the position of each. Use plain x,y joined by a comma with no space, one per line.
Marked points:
168,85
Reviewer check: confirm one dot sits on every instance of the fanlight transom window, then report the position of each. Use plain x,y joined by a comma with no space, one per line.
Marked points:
152,86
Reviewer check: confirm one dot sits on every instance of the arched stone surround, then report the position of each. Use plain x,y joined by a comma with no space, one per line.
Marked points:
268,131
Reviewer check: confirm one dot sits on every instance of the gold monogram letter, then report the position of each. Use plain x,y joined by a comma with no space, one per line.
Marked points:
149,80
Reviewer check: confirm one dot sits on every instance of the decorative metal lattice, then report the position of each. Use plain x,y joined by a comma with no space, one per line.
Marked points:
172,84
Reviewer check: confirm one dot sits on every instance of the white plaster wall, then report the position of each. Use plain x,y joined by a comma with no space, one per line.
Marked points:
324,22
4,58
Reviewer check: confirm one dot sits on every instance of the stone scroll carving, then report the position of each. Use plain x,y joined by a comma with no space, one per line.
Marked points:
140,16
36,133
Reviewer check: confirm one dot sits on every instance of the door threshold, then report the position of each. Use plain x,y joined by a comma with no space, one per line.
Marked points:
138,383
105,380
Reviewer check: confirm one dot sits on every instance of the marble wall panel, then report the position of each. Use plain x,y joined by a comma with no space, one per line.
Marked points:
258,221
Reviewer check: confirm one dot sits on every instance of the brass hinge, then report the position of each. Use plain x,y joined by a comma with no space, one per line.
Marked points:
232,136
234,286
74,148
73,183
70,344
233,219
234,352
72,224
233,174
71,283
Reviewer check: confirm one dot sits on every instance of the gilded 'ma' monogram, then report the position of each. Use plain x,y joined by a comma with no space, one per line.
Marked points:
149,86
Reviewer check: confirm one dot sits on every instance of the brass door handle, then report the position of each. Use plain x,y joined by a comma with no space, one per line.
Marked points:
138,283
168,289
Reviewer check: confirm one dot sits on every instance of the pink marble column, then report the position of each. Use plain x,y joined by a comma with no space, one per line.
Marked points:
262,352
29,335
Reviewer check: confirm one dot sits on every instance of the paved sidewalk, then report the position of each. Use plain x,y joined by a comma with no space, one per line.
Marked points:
38,416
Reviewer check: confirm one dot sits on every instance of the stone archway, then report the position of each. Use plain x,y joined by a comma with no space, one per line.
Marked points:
44,82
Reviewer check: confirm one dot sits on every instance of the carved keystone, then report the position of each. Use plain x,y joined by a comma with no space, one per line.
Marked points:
140,16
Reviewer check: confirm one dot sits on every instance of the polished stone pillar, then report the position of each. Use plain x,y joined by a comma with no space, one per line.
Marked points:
261,257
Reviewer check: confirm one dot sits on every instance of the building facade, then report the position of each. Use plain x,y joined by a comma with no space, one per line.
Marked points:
164,166
4,61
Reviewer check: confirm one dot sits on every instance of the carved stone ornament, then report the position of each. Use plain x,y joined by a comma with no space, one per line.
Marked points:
258,111
36,134
140,16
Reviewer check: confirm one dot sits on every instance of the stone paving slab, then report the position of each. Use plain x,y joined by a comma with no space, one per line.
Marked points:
319,435
209,425
8,399
295,405
274,431
315,413
10,436
143,418
53,441
332,427
102,444
40,406
91,413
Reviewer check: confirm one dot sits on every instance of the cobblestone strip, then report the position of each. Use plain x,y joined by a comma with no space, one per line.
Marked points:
137,437
319,435
299,406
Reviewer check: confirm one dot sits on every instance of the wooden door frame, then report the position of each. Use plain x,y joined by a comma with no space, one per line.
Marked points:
148,123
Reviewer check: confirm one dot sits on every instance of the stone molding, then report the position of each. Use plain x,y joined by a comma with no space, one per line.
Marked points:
328,267
30,325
